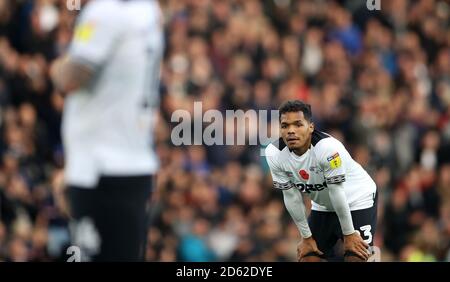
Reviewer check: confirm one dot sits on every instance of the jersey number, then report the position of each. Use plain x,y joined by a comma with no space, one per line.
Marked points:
366,230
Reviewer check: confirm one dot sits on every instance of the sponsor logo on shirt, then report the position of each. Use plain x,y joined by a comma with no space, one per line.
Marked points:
308,188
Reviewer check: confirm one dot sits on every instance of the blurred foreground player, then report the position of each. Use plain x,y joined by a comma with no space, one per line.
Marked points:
110,77
344,202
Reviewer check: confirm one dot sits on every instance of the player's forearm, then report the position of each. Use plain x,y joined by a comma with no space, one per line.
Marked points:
68,76
341,207
294,204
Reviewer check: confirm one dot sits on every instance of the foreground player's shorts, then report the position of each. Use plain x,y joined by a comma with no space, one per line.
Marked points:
110,220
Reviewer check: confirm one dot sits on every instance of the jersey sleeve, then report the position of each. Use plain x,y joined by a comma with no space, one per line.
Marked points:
331,161
96,32
279,177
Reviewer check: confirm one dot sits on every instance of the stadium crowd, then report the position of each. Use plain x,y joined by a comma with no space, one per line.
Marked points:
377,80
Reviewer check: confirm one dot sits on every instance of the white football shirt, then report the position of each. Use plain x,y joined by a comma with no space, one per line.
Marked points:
107,126
326,162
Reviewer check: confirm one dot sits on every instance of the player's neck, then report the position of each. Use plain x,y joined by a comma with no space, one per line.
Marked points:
304,149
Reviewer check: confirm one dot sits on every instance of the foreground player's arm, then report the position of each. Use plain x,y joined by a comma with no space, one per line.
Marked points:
95,36
68,75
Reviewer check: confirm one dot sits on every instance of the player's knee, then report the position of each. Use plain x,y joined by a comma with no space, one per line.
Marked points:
311,259
351,257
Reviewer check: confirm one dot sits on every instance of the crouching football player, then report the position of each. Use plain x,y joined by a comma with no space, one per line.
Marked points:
344,197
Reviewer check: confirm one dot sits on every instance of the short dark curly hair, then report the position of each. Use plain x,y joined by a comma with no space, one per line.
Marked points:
296,106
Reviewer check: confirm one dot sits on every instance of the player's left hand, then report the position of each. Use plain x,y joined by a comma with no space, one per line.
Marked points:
354,243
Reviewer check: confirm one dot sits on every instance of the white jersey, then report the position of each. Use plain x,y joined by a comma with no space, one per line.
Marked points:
107,126
326,162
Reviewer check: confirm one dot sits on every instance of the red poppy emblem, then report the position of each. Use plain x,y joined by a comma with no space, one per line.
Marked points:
304,174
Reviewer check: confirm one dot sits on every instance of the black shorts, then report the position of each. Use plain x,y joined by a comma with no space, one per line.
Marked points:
326,229
109,222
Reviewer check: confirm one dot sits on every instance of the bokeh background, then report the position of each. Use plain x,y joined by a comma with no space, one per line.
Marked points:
377,80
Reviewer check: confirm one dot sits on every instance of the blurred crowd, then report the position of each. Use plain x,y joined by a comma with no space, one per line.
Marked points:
378,80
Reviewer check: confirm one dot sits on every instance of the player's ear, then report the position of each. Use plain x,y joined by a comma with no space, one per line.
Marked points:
311,127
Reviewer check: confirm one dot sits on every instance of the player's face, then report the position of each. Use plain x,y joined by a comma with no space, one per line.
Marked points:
296,130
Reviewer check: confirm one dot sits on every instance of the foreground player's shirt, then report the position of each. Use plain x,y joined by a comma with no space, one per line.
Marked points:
326,162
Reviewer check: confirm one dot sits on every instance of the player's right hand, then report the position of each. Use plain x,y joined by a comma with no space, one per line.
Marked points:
306,246
354,243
